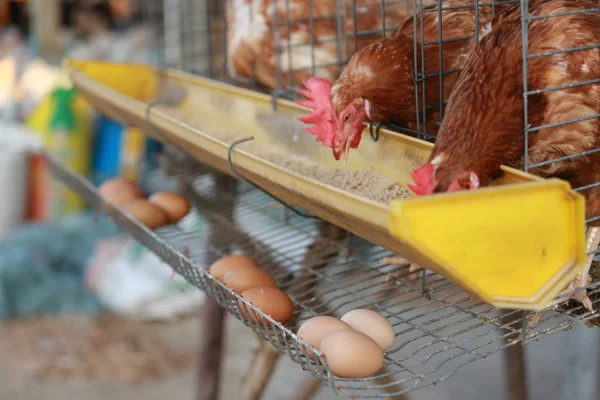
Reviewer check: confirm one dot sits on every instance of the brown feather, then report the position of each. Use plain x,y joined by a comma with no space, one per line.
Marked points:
384,72
484,124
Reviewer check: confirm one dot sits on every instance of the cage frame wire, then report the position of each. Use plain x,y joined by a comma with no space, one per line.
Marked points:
163,243
156,30
420,75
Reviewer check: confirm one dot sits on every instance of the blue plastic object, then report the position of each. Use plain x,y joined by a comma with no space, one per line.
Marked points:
107,150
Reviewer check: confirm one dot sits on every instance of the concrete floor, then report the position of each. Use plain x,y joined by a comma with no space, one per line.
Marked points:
481,379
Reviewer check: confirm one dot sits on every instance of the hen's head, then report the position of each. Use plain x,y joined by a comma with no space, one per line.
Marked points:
425,181
341,132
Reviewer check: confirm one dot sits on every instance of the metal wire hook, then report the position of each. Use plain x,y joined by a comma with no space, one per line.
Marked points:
276,94
237,173
375,135
419,78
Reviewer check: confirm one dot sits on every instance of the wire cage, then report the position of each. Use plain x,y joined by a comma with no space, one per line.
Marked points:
273,46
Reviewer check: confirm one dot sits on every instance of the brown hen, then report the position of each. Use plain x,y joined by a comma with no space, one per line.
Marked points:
483,125
378,84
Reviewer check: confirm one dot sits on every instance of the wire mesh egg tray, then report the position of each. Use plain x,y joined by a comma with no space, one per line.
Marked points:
439,327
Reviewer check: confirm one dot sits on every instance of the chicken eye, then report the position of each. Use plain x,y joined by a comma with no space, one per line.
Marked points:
347,117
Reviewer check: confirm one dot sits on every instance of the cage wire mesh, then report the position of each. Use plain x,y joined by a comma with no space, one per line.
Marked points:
152,15
270,45
439,328
273,46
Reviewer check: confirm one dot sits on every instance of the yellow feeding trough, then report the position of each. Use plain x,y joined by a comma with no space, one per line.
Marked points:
516,244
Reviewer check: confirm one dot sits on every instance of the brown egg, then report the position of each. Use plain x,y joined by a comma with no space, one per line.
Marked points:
269,300
146,213
351,354
316,328
225,264
242,279
120,191
372,324
175,205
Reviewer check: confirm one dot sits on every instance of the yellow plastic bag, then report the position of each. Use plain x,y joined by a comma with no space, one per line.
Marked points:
63,119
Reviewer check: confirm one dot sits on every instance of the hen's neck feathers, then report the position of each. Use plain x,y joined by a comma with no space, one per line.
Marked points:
381,73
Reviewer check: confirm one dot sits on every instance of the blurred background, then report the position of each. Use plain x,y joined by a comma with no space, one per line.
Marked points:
66,329
84,310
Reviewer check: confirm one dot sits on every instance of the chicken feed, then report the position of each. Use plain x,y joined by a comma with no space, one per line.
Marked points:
365,183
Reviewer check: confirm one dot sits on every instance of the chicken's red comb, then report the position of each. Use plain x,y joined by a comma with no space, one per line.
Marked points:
318,93
423,178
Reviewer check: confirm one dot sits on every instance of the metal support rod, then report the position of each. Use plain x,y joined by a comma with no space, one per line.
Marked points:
597,353
209,354
258,375
212,315
515,372
515,367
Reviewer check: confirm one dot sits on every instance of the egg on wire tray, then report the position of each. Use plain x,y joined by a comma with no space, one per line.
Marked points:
160,209
353,345
243,275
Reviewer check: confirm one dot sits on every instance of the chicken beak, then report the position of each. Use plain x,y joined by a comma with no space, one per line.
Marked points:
342,152
337,153
346,151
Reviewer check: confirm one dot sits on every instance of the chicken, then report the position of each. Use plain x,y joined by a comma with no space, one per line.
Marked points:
270,40
378,84
483,125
